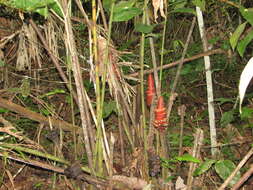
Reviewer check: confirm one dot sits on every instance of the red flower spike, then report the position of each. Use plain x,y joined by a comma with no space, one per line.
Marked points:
150,93
160,122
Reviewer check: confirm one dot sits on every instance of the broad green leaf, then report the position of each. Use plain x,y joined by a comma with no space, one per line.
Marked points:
236,35
107,4
227,117
184,10
247,14
124,5
144,28
42,11
109,108
126,14
224,168
28,5
245,79
204,167
243,43
55,7
188,158
200,3
39,6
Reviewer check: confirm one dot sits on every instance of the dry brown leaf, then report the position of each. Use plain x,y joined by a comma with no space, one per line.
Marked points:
158,5
22,53
180,184
28,51
102,54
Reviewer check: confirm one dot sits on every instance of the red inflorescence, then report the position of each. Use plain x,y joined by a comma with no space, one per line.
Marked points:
150,93
160,122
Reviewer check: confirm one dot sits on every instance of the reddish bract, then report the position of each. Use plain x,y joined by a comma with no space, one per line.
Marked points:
150,93
160,122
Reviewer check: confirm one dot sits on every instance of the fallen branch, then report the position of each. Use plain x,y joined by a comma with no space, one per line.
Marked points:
76,169
60,170
239,166
38,117
211,52
244,178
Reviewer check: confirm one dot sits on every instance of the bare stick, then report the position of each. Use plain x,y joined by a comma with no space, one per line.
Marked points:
153,56
175,63
181,61
209,84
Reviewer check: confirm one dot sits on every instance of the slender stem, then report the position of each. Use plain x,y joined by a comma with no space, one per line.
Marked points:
163,42
144,126
152,49
97,155
142,82
181,61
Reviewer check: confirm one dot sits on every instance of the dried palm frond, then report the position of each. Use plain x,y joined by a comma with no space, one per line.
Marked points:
114,76
52,36
28,49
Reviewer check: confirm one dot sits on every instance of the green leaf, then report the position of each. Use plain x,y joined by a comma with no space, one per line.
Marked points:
39,6
179,4
224,168
109,108
227,118
51,93
247,14
246,113
126,14
124,5
243,43
144,28
107,4
2,63
236,35
188,158
45,112
55,7
42,11
184,10
200,3
224,100
3,110
203,167
225,45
